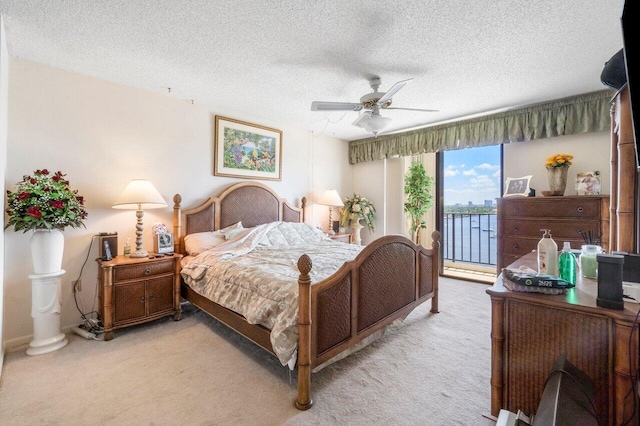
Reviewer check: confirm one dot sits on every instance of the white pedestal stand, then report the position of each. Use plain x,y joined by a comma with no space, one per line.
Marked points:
45,311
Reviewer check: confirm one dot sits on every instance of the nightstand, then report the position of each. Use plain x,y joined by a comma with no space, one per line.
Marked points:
345,238
137,290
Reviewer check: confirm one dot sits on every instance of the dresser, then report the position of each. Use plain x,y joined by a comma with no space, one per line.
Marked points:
529,331
136,290
520,220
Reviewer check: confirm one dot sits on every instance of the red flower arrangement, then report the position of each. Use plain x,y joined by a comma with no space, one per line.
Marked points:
44,201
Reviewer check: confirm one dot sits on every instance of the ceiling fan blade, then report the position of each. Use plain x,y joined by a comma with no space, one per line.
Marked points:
394,89
335,106
415,109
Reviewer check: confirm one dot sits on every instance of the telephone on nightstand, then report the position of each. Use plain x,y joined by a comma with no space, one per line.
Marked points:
106,251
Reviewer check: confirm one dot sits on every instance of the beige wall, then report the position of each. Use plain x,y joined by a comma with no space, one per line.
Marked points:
331,170
102,135
591,151
4,89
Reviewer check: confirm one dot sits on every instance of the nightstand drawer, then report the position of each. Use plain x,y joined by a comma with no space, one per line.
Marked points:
144,270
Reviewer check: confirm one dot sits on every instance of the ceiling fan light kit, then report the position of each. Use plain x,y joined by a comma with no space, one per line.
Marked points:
370,120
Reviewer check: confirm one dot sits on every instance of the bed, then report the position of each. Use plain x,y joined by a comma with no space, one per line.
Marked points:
383,283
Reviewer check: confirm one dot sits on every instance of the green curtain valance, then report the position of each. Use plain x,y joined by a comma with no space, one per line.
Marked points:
568,116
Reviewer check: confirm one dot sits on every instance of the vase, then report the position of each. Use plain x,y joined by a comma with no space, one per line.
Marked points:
557,179
356,232
47,247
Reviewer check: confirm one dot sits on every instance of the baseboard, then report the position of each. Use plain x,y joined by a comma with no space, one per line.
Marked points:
19,342
1,362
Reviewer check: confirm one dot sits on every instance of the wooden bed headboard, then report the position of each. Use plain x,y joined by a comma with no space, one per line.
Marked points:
252,203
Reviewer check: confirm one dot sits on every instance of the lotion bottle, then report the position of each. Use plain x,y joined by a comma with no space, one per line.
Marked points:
547,254
127,248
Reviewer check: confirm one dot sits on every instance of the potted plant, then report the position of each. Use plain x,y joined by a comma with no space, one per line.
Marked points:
355,209
417,188
557,167
44,203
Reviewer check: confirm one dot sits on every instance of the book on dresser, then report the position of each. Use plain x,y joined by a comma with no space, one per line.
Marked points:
520,220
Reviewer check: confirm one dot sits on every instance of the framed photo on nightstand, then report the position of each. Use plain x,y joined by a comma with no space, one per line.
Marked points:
163,243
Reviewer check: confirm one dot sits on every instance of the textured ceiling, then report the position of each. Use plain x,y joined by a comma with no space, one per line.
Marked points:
271,59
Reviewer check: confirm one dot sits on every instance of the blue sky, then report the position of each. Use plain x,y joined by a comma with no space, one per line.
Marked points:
472,174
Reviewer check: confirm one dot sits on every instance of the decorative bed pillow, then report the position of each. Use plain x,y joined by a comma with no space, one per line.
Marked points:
198,242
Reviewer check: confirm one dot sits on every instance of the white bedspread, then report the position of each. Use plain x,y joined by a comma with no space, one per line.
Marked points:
256,275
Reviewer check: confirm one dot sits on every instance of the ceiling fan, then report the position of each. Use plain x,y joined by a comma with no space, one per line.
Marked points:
371,103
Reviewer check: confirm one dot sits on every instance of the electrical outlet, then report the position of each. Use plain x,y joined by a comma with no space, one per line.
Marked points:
77,285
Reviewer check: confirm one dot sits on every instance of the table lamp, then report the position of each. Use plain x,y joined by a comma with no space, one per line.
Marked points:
140,194
332,199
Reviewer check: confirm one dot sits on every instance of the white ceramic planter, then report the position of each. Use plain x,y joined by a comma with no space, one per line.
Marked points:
47,247
356,232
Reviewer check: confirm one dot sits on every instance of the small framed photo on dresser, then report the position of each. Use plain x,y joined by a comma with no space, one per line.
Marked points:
517,186
163,243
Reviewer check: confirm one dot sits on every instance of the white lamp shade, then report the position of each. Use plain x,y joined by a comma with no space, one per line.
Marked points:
330,197
140,194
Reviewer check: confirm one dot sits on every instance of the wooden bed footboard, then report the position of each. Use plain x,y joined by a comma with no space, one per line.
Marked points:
385,282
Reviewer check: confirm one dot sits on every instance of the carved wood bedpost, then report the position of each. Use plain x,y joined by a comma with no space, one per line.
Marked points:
177,224
435,247
304,402
613,192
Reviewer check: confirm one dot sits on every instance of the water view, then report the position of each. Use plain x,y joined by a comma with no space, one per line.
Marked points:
470,238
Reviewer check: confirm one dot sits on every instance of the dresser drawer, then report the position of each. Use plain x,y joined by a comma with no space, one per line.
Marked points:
553,208
518,246
560,229
143,270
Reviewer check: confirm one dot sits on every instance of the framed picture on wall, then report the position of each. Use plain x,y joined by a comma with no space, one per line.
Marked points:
245,150
517,186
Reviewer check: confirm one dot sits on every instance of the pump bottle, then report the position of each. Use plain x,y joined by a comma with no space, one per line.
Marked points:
547,254
567,264
127,248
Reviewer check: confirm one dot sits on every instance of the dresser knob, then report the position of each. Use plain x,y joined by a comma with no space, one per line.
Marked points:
151,297
142,299
515,246
580,209
147,271
516,228
515,209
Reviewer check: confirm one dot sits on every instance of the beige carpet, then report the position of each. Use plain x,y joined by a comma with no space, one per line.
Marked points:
431,370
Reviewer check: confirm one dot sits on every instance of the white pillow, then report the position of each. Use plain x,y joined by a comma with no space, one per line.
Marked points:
198,242
232,233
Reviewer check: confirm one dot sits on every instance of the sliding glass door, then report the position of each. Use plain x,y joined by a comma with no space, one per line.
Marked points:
469,183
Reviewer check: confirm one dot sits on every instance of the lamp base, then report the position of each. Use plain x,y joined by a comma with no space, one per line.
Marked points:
139,253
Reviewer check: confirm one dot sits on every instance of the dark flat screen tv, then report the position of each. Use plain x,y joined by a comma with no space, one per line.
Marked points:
629,37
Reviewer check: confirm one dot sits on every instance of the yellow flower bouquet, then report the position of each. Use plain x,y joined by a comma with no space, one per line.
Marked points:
559,160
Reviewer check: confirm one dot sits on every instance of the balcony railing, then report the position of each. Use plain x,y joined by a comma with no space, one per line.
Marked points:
470,238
